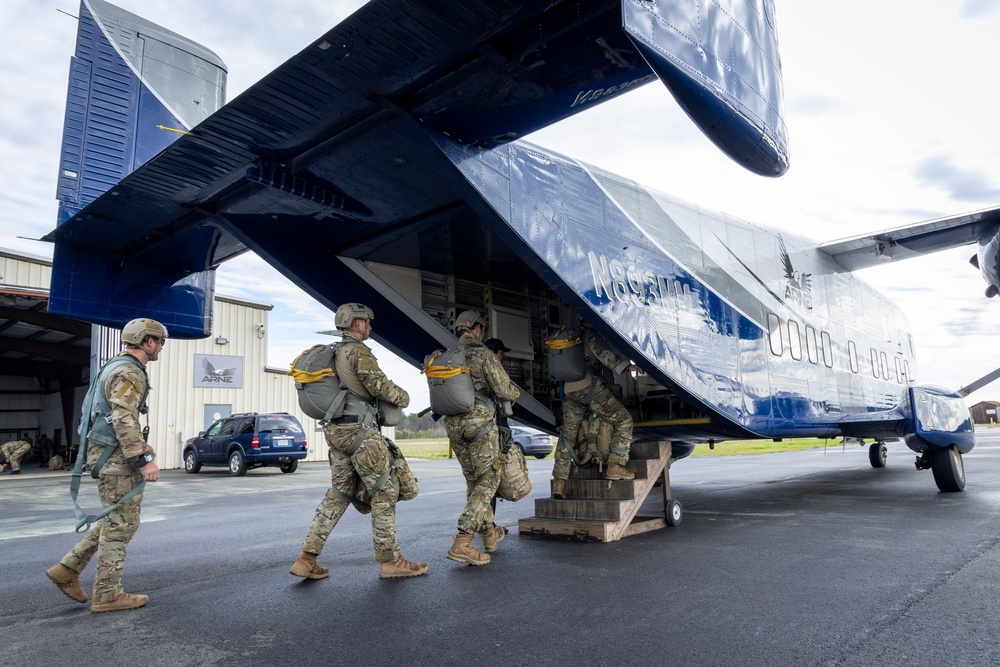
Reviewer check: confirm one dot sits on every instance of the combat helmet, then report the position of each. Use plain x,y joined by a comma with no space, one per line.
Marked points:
468,319
348,312
136,331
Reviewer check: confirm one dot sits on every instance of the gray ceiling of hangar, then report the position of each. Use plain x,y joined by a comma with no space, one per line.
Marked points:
35,343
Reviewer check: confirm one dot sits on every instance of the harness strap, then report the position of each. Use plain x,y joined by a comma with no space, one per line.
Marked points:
590,392
475,436
572,453
341,495
393,465
366,413
336,404
84,520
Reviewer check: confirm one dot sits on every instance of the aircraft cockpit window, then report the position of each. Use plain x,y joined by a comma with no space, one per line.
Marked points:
794,340
852,352
875,370
885,367
812,350
906,371
899,371
774,334
827,350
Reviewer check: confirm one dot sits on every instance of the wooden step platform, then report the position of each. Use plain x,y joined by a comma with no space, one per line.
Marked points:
600,510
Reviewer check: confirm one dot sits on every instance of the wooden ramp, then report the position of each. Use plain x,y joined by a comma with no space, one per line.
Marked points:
600,510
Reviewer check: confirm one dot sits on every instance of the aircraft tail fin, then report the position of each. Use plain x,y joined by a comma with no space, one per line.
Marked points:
130,83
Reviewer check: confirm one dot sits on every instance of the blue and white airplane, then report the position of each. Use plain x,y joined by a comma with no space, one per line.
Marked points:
384,164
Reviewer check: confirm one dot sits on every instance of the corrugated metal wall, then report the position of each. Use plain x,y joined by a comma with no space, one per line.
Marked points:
177,407
33,273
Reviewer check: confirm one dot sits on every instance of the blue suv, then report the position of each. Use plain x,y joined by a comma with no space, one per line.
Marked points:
248,440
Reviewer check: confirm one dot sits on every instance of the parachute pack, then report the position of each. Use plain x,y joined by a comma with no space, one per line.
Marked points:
452,389
321,394
514,481
566,359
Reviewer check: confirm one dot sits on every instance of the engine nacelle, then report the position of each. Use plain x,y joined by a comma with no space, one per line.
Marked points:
987,259
937,418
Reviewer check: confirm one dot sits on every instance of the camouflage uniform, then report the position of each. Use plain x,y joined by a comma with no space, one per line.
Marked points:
475,438
605,404
109,538
355,475
13,451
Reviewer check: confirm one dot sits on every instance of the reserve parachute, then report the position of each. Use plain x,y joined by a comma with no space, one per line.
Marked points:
514,481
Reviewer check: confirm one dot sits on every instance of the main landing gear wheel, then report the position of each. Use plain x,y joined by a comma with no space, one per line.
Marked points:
674,513
948,469
878,453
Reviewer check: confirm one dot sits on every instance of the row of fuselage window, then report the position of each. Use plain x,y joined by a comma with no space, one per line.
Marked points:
819,347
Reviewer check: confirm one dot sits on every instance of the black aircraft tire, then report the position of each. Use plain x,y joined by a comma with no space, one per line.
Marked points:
878,453
948,468
674,513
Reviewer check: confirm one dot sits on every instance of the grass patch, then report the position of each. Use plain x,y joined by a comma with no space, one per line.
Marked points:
745,447
437,448
424,448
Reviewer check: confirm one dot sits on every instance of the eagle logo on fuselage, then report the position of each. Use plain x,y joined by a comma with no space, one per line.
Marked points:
798,285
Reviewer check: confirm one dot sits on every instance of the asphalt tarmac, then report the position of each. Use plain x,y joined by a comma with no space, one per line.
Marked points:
805,558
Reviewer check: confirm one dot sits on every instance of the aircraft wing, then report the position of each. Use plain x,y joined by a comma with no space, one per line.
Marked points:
320,136
889,245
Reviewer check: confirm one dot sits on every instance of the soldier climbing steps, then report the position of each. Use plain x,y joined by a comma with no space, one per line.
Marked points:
599,510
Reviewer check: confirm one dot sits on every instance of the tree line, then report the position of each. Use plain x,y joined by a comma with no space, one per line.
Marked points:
414,426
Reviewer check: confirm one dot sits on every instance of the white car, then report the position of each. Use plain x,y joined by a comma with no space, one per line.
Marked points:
532,441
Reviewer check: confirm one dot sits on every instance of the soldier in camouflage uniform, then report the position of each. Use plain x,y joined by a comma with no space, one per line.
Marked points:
13,451
361,458
123,390
602,404
475,439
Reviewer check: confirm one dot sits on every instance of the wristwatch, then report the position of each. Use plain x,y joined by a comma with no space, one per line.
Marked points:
143,460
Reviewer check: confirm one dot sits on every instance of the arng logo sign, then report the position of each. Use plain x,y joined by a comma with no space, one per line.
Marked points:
214,370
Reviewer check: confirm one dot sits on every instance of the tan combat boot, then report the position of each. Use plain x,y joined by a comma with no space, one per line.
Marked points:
617,471
400,567
68,581
305,566
493,537
559,489
462,551
122,602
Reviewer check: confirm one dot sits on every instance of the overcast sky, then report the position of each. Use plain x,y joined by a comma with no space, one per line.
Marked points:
891,109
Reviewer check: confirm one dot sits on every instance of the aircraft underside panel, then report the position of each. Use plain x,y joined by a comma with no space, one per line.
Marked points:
647,303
